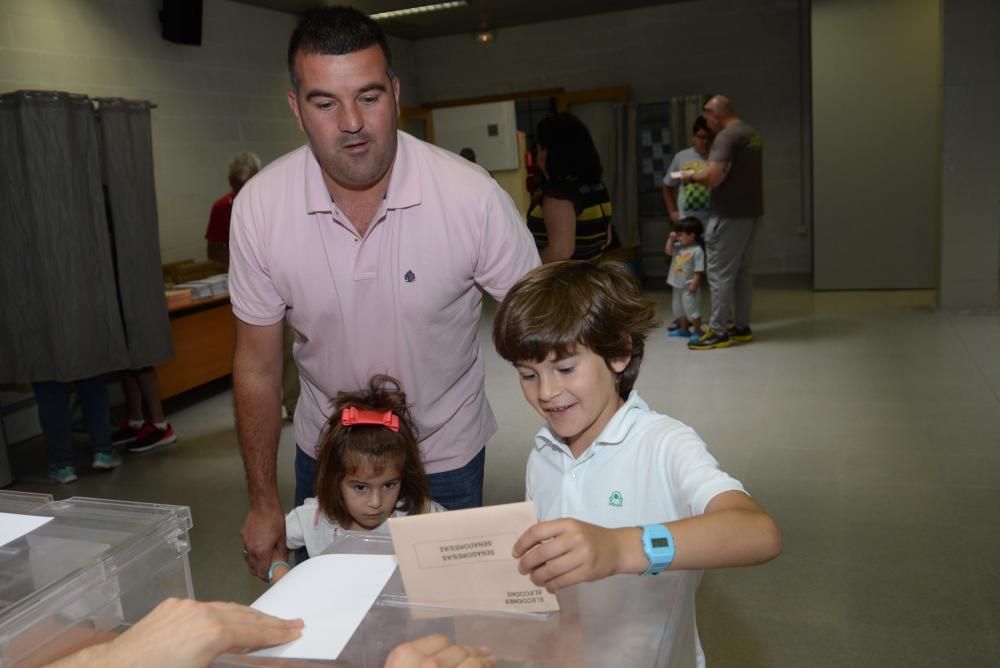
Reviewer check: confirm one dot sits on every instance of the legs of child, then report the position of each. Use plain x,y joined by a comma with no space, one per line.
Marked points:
691,303
679,311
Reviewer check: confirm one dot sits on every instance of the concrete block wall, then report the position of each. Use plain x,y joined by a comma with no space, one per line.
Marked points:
747,49
970,174
213,100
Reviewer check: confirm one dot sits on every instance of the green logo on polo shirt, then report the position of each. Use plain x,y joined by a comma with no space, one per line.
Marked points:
616,499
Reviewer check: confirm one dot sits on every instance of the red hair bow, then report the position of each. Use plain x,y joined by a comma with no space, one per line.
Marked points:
352,416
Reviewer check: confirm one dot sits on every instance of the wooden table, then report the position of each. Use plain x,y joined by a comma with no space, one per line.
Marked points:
204,339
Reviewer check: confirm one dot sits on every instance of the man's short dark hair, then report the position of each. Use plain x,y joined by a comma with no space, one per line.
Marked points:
335,31
700,124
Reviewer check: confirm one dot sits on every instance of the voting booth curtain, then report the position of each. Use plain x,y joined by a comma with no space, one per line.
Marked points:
69,257
127,153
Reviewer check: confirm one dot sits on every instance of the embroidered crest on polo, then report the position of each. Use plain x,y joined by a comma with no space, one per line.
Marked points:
616,499
409,277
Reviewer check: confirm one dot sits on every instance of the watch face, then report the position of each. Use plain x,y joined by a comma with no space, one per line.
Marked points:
659,543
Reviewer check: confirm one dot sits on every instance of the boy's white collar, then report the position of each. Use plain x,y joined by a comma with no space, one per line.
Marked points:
614,432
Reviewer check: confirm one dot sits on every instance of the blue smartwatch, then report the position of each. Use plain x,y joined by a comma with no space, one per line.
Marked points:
658,544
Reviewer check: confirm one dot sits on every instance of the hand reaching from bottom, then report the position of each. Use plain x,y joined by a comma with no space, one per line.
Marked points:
438,652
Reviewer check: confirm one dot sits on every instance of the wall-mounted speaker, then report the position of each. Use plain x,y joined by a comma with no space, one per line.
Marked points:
180,21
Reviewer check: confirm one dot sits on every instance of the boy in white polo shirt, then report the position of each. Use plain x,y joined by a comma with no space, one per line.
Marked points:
618,487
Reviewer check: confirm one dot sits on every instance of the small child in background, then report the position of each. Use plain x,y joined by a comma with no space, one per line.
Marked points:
367,471
687,271
618,488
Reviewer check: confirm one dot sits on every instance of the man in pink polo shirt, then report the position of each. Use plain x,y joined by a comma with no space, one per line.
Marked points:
378,248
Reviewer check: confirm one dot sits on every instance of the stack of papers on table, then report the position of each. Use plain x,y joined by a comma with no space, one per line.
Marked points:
198,289
219,284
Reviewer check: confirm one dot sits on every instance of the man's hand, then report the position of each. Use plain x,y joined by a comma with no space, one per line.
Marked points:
263,533
183,633
675,215
693,287
565,552
437,652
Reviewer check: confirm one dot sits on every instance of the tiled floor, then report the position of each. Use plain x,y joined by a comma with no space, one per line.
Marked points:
867,423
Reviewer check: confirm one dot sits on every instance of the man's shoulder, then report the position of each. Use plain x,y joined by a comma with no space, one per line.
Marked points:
739,132
278,171
442,164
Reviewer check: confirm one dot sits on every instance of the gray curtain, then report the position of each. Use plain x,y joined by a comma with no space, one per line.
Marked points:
608,123
683,112
127,156
60,309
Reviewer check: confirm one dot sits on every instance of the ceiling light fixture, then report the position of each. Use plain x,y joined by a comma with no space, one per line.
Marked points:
486,36
423,9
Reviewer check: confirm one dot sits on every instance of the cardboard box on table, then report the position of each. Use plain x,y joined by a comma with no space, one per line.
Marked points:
94,570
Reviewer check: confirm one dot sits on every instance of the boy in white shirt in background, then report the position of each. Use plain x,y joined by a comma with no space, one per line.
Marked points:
618,487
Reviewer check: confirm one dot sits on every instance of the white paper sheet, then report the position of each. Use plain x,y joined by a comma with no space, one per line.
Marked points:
331,593
14,526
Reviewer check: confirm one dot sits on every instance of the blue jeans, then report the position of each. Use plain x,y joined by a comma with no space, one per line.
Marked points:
305,477
56,419
462,487
456,489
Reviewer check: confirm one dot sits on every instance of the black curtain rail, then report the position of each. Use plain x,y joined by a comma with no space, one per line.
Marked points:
112,102
43,95
55,95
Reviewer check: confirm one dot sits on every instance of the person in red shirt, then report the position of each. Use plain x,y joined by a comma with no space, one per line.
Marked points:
241,168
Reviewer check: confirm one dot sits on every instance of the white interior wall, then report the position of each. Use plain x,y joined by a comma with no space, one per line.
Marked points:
876,78
747,49
213,100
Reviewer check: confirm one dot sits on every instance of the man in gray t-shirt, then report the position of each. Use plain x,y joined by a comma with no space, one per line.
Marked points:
735,175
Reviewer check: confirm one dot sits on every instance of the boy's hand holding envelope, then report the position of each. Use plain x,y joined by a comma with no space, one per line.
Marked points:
561,553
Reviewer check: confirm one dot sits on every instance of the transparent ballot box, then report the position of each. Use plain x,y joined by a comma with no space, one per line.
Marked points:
620,621
96,568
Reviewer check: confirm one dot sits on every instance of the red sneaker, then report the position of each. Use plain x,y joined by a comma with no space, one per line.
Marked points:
151,437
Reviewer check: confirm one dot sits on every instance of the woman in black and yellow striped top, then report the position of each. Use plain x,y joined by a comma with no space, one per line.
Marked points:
572,216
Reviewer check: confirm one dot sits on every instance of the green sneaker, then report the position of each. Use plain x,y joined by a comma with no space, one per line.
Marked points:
710,340
106,461
62,474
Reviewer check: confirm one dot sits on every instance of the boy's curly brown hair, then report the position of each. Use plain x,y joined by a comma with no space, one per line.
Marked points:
559,306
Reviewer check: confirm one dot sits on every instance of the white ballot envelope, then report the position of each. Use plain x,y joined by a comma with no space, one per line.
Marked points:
462,560
677,175
331,593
